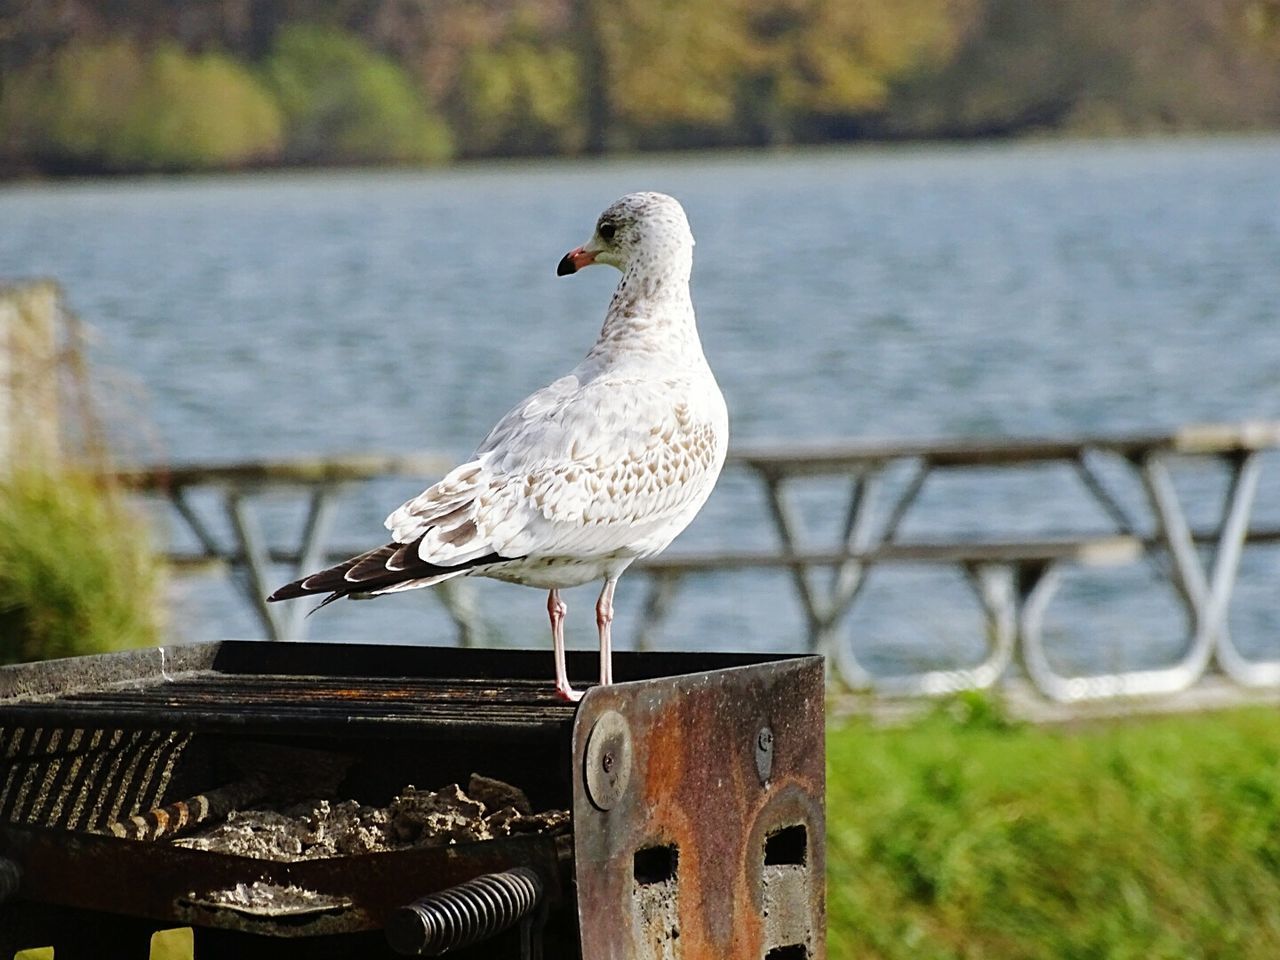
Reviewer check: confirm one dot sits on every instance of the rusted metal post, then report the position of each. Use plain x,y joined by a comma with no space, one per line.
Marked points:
698,810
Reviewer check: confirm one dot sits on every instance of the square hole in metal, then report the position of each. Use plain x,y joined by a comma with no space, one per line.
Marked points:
788,845
656,864
796,951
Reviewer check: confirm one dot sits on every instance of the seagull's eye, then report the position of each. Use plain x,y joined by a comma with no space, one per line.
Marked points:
607,230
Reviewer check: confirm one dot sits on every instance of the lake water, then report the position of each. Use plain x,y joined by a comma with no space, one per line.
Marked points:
993,290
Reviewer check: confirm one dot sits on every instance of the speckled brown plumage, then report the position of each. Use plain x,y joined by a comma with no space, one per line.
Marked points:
599,468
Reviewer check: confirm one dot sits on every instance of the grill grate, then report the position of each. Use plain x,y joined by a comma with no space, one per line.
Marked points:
83,779
314,701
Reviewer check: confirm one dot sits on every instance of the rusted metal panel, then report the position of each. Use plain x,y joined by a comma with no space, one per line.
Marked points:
678,806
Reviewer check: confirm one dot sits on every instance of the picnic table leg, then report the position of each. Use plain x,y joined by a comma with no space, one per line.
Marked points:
822,615
458,597
1246,471
208,542
790,525
851,576
993,585
1038,583
1036,586
857,534
996,589
848,578
1205,598
1123,520
657,604
311,554
253,552
906,500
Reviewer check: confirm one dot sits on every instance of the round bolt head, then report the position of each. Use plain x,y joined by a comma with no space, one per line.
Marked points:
607,764
764,754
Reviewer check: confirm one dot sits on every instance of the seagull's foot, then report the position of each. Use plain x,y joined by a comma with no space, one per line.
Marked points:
566,692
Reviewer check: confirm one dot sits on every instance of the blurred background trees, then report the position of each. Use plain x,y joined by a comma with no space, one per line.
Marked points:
116,105
147,85
342,102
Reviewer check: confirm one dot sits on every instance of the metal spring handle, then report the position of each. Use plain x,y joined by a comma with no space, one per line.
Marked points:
468,913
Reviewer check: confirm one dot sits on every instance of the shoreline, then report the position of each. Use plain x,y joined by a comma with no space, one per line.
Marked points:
692,156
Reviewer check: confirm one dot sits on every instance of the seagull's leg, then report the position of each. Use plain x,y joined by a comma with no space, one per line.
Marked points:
604,620
556,610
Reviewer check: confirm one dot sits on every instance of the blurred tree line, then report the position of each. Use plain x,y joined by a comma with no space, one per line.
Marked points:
122,85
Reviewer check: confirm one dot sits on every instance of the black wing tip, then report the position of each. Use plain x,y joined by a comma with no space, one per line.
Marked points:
334,582
288,592
323,581
292,591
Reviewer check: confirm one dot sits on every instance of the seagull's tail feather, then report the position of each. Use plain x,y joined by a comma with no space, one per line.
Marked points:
369,574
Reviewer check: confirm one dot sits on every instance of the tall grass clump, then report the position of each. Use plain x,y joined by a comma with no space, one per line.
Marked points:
77,574
77,570
1151,840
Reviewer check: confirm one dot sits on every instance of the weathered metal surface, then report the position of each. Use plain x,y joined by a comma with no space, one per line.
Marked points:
764,755
317,688
676,868
313,689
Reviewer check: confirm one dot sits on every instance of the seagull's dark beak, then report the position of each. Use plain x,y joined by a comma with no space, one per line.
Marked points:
575,260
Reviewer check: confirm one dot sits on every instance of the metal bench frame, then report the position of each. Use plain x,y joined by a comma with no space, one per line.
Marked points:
250,558
1015,581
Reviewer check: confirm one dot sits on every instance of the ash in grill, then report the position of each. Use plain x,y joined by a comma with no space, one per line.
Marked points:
414,818
263,793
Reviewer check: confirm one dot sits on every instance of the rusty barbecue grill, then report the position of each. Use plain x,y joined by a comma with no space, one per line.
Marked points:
676,814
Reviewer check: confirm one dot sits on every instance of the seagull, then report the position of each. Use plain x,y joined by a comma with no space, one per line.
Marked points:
600,468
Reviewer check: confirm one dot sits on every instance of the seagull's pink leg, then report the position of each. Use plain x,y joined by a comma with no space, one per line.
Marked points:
604,620
556,610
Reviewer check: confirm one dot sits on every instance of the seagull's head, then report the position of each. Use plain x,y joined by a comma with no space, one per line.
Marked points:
635,228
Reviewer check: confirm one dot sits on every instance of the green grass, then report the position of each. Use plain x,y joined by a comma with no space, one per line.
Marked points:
77,574
967,837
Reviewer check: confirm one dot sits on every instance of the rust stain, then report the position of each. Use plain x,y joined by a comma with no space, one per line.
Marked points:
695,786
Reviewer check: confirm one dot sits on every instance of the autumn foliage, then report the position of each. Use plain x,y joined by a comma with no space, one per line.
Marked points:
228,83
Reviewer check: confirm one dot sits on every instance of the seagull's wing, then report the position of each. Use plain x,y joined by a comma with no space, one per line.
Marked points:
579,470
574,470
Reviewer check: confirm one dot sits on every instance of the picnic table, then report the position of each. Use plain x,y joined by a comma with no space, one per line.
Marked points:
239,486
1014,579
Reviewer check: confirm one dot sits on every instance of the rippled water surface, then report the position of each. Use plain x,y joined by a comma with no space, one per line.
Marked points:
999,290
